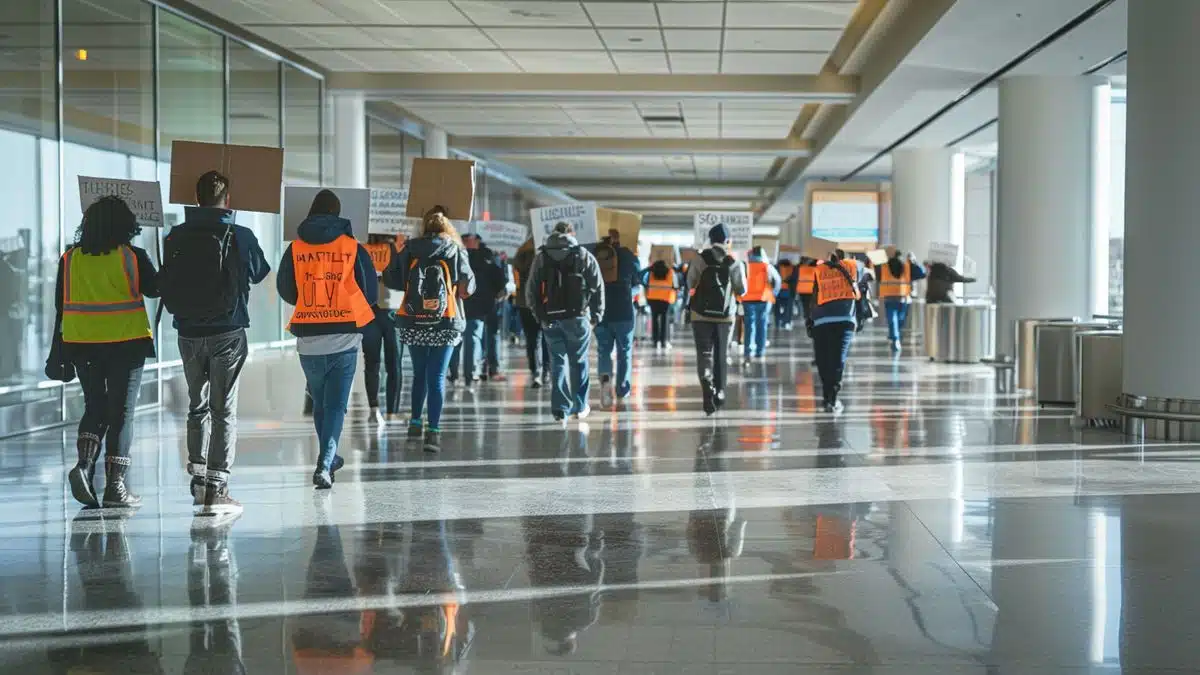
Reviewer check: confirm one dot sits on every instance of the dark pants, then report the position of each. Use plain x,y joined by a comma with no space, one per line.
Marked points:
110,395
492,333
330,378
712,353
429,381
660,322
536,350
212,366
803,300
381,335
784,306
831,344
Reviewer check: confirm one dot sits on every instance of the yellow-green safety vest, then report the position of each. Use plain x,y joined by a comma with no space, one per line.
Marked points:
102,297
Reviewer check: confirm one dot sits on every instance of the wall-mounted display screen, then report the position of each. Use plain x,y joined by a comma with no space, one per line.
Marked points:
845,216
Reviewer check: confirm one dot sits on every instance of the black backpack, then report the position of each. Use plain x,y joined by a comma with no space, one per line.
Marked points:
201,273
429,291
711,299
564,292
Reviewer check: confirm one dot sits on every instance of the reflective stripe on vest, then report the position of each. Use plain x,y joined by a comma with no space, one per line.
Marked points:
381,255
662,290
758,283
895,287
808,274
326,290
102,298
832,285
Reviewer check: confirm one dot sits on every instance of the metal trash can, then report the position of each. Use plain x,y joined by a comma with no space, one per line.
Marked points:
1057,359
915,325
1099,375
960,333
1026,344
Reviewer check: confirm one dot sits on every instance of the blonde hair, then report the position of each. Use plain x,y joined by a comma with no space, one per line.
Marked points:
436,224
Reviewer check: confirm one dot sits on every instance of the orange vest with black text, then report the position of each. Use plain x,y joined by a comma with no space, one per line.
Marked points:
758,283
833,285
381,255
326,290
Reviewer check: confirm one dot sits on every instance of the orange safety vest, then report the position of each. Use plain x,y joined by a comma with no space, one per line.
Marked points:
808,275
663,290
326,291
785,273
758,283
832,285
381,255
895,287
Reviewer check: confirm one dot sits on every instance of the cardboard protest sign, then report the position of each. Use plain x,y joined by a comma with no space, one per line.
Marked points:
449,183
297,200
770,246
819,249
790,252
878,256
255,173
664,252
739,223
627,224
581,215
943,252
687,254
144,197
500,236
387,214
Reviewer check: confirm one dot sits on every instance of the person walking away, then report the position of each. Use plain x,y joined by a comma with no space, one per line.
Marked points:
435,274
715,281
896,278
381,335
105,331
493,327
329,278
834,321
785,304
762,287
537,353
939,286
209,264
565,291
480,308
662,292
621,276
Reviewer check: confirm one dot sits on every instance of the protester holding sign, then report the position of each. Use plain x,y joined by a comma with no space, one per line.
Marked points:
940,284
105,333
896,277
536,352
329,278
208,266
620,271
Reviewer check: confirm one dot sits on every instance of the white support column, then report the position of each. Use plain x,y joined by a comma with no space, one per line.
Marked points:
1161,233
349,141
436,143
927,200
1043,233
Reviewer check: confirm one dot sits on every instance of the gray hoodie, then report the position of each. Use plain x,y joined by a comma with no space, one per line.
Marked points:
737,279
557,247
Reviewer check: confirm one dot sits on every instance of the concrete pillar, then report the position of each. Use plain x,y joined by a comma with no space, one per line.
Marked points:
1043,232
349,141
926,198
1161,235
435,143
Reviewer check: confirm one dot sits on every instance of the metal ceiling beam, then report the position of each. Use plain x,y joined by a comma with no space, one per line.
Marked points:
566,87
583,183
663,199
587,145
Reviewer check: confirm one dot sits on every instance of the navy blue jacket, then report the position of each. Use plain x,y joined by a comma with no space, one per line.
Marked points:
317,230
618,296
254,269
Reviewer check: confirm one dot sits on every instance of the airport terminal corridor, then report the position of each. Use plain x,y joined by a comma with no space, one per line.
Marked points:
935,526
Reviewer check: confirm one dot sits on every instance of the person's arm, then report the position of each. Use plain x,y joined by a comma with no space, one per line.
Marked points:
737,278
285,281
147,275
693,274
58,290
466,276
364,276
530,286
257,267
918,271
595,284
956,277
776,280
395,274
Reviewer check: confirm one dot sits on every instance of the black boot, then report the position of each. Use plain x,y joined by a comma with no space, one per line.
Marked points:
116,493
83,475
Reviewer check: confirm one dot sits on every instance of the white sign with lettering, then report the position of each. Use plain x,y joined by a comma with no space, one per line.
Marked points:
582,216
739,223
387,212
943,252
501,236
144,197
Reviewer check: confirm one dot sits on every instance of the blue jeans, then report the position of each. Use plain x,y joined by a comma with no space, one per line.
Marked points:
620,335
429,380
897,315
756,318
330,378
472,350
569,341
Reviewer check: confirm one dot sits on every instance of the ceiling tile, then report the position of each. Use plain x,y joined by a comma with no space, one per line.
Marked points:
623,14
403,37
490,13
331,59
781,40
772,63
632,39
563,62
693,39
792,14
293,11
433,61
641,62
539,38
694,63
232,11
484,61
691,14
424,12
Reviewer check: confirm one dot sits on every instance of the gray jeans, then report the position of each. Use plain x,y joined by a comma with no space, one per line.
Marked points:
211,366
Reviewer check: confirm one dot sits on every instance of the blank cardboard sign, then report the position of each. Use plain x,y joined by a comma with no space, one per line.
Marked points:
449,183
255,173
818,248
627,224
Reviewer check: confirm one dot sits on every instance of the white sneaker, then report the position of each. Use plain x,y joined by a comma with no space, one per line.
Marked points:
375,417
658,347
582,414
667,347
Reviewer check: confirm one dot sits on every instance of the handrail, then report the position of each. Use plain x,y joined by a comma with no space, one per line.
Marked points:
1142,413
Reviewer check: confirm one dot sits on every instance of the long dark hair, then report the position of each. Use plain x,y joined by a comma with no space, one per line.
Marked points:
107,224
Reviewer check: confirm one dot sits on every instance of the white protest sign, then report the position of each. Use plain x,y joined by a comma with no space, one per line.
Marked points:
144,197
501,236
943,252
297,200
739,223
387,212
582,216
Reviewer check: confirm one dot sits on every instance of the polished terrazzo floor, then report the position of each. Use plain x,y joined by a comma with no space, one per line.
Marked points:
935,527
